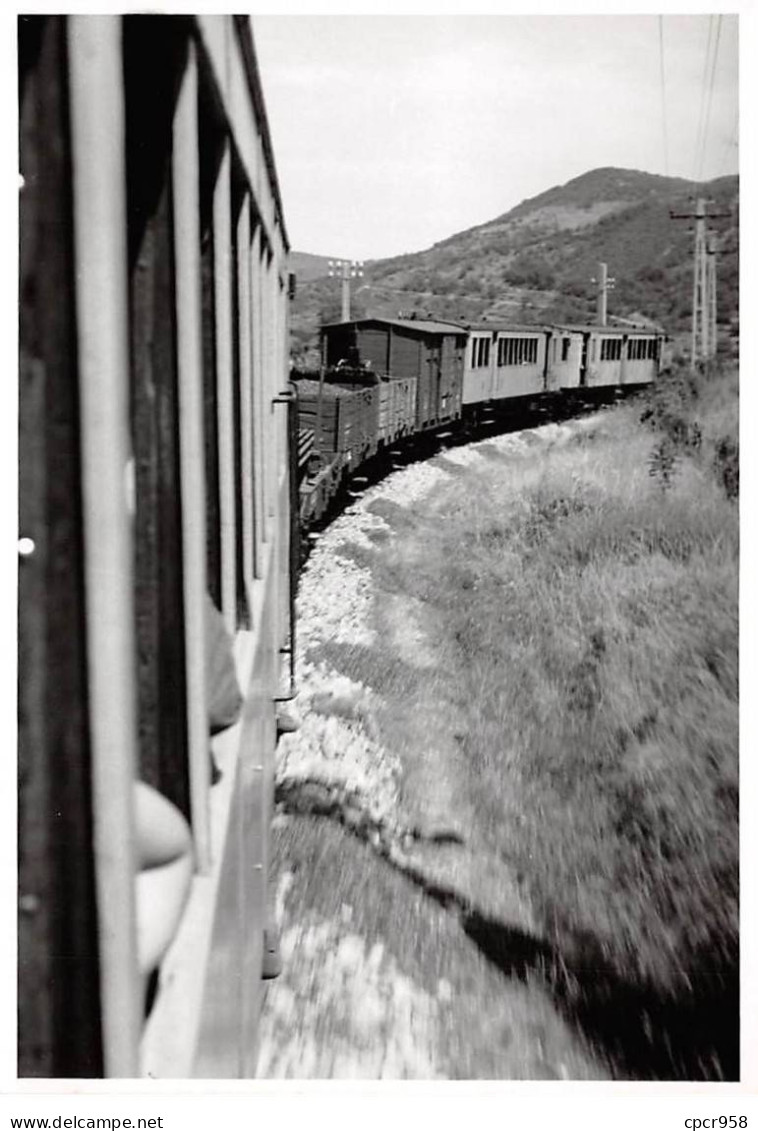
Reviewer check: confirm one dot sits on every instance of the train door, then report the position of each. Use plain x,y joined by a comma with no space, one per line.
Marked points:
584,360
435,382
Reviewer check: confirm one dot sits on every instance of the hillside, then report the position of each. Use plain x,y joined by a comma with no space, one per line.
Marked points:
535,263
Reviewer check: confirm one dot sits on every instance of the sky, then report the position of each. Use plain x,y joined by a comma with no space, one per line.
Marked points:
393,132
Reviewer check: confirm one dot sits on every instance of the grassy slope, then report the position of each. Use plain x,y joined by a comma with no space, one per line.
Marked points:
592,596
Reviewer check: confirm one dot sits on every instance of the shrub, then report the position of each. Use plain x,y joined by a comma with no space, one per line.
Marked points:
726,464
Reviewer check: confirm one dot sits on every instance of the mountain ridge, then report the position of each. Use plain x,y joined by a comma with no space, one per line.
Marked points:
536,261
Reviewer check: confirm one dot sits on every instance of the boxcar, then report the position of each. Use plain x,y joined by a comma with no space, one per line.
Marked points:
431,353
154,485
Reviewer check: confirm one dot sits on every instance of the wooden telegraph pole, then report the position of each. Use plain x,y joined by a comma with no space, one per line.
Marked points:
604,284
345,269
703,282
710,277
319,410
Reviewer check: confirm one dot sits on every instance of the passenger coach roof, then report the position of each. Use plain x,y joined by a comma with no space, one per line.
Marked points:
593,328
423,325
507,327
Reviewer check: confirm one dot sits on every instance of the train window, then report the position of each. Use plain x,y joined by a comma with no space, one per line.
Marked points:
185,184
221,200
610,349
519,351
269,332
565,347
246,536
257,254
153,60
481,353
641,349
240,267
484,352
211,153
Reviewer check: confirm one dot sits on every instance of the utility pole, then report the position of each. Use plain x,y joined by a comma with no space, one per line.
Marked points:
345,269
711,292
319,410
604,284
703,283
700,287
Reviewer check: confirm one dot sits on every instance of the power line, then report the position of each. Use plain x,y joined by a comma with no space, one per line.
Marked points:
711,84
663,97
703,89
732,142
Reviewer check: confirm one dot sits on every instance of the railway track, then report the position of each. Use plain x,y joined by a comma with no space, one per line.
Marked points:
387,892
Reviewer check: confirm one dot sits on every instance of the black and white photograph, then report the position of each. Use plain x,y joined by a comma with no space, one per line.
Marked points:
378,549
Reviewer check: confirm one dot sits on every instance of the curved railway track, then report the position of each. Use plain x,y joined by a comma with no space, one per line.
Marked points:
390,901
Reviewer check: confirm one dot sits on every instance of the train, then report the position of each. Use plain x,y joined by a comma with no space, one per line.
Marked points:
386,383
156,544
168,462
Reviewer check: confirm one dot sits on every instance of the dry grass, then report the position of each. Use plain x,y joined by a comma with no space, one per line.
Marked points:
593,604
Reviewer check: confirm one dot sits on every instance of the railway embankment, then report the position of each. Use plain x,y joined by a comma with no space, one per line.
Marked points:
506,838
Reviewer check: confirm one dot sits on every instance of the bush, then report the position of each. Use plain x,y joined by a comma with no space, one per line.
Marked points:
596,623
726,464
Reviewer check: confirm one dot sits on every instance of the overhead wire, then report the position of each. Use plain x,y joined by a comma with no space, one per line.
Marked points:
663,97
711,85
732,143
703,91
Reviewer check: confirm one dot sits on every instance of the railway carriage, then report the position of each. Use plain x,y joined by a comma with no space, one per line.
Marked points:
505,363
605,357
155,534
